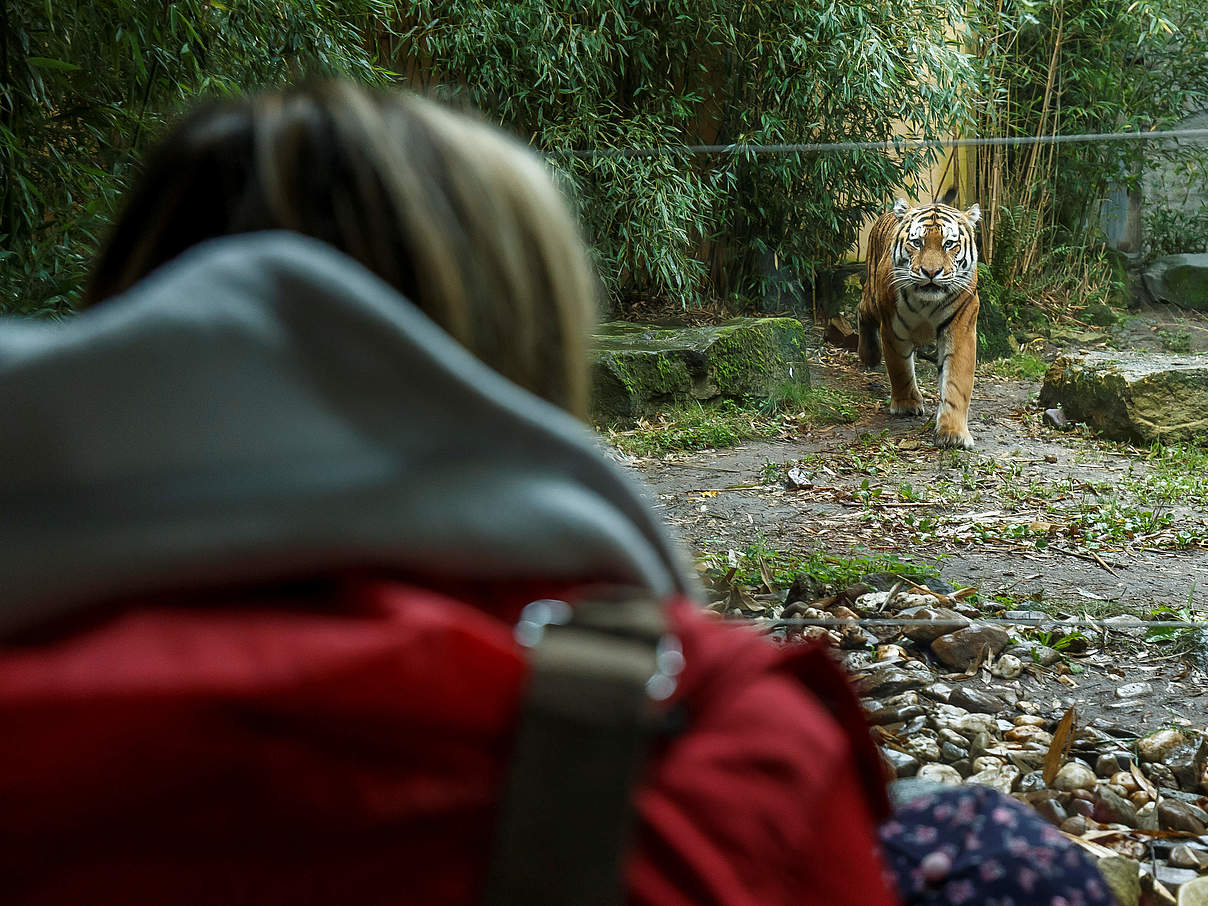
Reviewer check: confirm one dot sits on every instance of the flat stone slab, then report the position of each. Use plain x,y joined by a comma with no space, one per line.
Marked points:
640,368
1131,397
1181,280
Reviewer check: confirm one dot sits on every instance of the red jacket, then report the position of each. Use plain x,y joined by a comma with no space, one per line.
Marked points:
343,743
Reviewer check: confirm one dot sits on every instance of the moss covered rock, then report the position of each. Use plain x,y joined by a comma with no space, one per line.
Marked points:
1129,397
639,368
1179,279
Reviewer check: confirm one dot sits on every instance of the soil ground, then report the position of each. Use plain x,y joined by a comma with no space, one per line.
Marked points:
1033,517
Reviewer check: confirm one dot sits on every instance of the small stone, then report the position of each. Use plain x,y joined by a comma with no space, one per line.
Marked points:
902,700
960,649
1029,720
1033,782
1180,816
1123,877
1160,775
1007,667
1052,811
986,763
1002,778
1076,825
1125,781
964,767
950,754
940,773
1074,776
1134,690
1112,808
1153,893
948,735
891,679
1189,763
1110,763
1156,746
976,700
900,764
925,634
883,716
1183,856
1147,817
1139,798
972,724
938,692
924,748
1174,878
1194,893
1032,734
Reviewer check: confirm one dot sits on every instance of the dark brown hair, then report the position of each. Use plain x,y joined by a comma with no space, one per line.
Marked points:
462,220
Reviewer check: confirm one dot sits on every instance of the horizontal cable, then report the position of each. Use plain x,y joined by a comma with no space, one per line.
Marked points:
891,145
1052,622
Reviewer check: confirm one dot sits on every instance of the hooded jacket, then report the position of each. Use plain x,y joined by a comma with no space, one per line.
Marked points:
263,530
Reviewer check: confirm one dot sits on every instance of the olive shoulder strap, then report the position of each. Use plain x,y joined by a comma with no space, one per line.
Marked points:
598,675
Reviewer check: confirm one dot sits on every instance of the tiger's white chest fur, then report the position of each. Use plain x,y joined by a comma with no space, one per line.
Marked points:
921,312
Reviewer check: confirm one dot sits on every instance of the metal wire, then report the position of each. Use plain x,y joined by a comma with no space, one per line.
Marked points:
890,145
1052,622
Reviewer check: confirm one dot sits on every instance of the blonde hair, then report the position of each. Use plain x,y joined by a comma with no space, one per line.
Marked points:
463,220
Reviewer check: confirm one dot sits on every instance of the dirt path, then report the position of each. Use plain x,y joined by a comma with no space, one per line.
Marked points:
1034,517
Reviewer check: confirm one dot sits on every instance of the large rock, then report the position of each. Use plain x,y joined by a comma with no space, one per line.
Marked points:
1179,279
1130,397
639,367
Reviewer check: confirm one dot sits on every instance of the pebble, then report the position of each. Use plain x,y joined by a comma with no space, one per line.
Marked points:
1076,825
891,679
925,634
1123,877
1147,817
949,735
900,763
1134,690
940,773
1001,778
986,763
1033,782
1112,808
894,715
1181,816
924,748
1029,720
1194,893
1125,781
976,700
1157,746
1183,856
1110,763
1008,667
971,724
1034,653
1074,776
1030,733
1052,811
961,648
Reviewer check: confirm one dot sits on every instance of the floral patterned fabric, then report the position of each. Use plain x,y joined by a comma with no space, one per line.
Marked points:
973,845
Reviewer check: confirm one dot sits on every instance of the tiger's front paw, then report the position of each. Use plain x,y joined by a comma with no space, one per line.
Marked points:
954,437
903,408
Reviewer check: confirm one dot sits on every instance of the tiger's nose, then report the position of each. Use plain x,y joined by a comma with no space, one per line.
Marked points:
931,274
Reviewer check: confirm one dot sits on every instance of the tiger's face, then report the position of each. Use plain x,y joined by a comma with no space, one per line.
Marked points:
934,255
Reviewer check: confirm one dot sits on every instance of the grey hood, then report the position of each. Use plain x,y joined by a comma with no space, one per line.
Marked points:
264,407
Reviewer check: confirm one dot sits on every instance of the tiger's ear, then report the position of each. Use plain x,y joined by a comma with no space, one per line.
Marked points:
949,198
974,214
900,207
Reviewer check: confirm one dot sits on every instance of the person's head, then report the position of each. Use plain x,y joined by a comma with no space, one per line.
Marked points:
462,220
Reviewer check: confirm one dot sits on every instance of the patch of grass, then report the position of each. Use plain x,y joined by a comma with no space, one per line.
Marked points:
702,426
1176,341
1022,367
693,427
783,567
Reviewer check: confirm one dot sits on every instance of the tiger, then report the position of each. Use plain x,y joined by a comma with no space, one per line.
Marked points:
920,287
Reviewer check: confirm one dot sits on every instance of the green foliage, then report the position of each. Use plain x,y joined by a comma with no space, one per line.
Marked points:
783,567
1077,66
85,86
1021,367
1170,231
697,426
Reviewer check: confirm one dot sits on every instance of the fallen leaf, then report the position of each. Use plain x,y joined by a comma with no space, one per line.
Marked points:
1063,736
